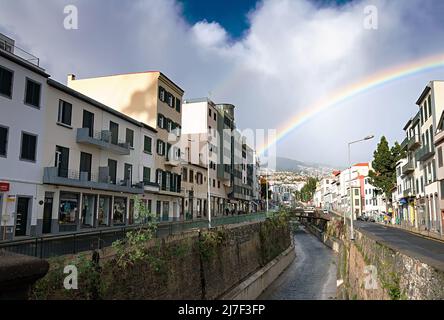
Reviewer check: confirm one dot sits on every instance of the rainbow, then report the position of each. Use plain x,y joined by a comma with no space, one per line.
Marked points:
375,80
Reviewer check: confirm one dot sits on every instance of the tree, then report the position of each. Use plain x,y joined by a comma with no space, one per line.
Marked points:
308,190
383,175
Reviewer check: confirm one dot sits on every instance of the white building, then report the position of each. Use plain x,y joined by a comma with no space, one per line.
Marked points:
95,161
22,122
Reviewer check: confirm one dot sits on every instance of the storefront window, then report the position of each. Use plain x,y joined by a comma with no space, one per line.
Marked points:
119,212
104,210
88,210
69,207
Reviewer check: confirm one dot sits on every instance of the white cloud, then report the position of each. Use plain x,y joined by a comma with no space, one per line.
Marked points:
209,34
293,54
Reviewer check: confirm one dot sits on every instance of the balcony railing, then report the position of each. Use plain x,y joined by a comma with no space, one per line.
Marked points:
424,153
413,143
408,193
19,53
100,181
408,168
404,143
103,140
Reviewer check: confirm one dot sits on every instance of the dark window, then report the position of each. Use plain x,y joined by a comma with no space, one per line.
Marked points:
440,162
160,121
65,112
88,122
114,128
127,175
29,147
185,174
214,183
147,142
85,163
62,161
214,116
177,104
32,95
442,189
112,165
159,176
160,147
170,100
6,77
218,184
430,105
3,141
130,137
161,94
146,175
191,176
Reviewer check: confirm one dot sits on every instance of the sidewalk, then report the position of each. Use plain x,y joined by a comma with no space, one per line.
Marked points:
427,234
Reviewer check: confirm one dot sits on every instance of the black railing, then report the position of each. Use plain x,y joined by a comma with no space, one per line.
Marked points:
76,242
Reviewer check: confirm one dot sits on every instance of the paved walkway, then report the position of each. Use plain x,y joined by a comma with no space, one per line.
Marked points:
311,276
426,250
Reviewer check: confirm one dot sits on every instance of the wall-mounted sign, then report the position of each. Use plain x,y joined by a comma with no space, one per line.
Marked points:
4,186
10,199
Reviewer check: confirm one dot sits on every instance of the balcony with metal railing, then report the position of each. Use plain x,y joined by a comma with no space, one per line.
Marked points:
408,168
103,140
88,180
409,193
425,153
413,142
10,48
404,143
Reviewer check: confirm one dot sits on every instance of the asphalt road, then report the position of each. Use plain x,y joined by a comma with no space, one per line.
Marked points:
311,276
426,250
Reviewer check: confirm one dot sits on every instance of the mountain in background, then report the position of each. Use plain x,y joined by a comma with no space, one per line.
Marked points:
286,164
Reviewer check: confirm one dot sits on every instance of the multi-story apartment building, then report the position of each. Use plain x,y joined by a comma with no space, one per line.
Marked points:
234,154
151,98
95,159
439,145
431,104
200,127
373,201
420,206
22,122
231,165
195,188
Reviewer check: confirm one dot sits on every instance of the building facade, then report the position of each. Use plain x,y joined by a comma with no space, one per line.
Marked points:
23,104
151,98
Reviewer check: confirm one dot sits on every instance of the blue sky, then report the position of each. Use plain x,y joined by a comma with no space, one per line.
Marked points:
231,14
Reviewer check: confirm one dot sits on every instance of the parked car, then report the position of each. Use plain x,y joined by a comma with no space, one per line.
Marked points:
325,211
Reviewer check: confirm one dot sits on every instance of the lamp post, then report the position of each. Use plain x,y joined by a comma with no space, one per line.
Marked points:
208,183
350,186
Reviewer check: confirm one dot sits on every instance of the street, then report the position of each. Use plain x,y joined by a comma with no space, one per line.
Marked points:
426,250
311,276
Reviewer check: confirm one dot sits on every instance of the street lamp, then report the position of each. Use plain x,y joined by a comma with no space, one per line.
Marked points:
350,186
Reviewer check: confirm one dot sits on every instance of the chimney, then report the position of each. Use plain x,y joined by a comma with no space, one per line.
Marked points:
71,77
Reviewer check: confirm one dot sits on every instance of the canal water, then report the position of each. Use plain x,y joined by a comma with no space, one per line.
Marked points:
311,276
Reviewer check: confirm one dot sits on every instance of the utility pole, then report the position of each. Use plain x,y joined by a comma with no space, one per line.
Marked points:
352,236
208,182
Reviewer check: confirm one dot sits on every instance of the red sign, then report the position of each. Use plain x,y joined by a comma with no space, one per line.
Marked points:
4,186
